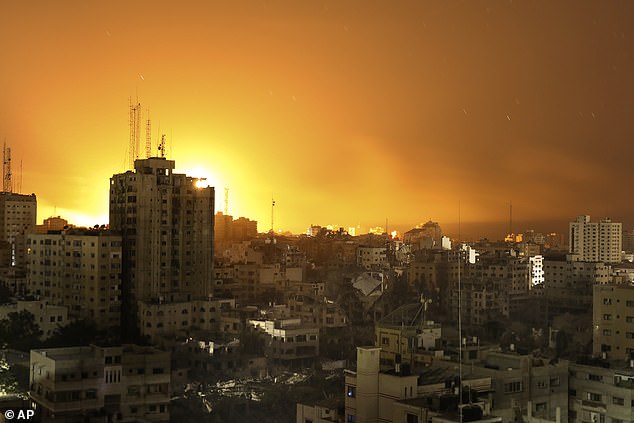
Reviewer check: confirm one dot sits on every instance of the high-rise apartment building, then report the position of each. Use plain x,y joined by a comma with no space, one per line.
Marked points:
595,241
167,224
18,214
78,268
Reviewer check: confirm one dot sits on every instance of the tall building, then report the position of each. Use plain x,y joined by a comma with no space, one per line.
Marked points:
78,268
18,214
166,221
595,241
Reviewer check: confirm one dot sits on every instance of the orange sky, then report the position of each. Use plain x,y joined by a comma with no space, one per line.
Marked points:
348,112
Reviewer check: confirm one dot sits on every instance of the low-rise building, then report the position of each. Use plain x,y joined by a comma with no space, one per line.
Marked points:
601,391
94,384
290,343
48,317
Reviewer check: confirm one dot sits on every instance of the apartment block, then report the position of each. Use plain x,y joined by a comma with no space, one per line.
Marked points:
18,215
291,344
80,269
93,384
48,317
568,284
601,392
613,321
167,223
595,241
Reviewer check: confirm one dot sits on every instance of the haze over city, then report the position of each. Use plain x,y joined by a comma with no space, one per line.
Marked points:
346,113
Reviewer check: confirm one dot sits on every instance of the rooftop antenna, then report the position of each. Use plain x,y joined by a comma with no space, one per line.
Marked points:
6,169
20,180
148,136
161,146
135,120
226,201
511,218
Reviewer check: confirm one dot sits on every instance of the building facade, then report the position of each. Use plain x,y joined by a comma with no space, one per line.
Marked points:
80,269
595,241
18,215
94,384
167,225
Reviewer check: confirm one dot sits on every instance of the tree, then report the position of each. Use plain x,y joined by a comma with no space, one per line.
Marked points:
77,332
20,331
8,383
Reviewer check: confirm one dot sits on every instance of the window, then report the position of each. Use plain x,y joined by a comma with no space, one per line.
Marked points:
607,317
351,418
512,387
594,397
596,378
411,418
540,407
351,391
607,332
618,401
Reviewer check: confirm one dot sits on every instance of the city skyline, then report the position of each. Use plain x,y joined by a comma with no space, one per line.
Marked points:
344,114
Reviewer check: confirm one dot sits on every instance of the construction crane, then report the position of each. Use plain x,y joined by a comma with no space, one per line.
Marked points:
226,201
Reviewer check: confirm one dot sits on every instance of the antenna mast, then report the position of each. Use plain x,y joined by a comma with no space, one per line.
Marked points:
511,219
272,214
226,201
161,146
135,120
148,136
6,169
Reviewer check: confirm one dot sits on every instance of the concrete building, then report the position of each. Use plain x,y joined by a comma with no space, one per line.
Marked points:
80,269
628,241
327,411
94,384
372,395
595,241
53,223
536,264
290,343
18,215
613,321
167,225
405,337
371,258
601,391
568,284
48,317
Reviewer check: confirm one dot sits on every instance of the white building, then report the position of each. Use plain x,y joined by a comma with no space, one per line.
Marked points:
537,270
595,241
